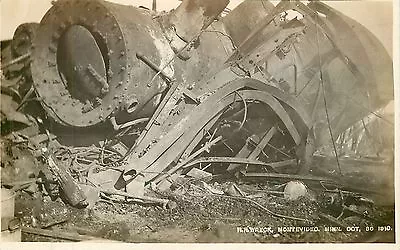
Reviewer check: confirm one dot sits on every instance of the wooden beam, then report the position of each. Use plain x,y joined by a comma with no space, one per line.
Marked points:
245,152
62,235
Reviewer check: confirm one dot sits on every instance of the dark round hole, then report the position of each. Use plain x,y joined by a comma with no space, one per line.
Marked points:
81,63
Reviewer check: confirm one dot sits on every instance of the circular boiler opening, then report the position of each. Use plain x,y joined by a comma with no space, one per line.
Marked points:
81,64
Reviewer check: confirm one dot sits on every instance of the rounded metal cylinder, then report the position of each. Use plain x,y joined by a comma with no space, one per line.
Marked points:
84,63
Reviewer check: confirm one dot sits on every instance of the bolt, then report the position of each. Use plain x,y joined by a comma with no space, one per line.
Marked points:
98,101
104,91
51,64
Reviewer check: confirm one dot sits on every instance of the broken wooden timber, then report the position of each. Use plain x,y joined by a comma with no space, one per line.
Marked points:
253,154
73,194
62,235
143,199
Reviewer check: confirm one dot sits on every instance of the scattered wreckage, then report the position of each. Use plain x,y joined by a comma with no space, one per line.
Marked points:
137,101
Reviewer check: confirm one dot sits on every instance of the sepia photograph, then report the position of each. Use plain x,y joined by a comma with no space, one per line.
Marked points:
198,121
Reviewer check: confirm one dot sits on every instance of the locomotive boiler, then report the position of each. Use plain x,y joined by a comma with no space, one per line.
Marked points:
252,90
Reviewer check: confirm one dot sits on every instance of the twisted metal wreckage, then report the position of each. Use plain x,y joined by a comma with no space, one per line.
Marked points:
251,92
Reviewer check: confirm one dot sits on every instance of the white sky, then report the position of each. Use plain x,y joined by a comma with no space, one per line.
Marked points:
376,15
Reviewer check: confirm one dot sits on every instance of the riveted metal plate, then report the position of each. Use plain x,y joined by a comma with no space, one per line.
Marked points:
50,85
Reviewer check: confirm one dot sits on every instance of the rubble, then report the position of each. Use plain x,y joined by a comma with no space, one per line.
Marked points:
158,118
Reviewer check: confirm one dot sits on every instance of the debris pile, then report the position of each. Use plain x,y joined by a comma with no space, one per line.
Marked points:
119,127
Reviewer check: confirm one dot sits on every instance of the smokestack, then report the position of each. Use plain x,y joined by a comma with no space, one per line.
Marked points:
191,16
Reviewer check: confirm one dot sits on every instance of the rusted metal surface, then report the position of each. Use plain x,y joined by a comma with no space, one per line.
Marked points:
239,27
126,82
111,38
263,85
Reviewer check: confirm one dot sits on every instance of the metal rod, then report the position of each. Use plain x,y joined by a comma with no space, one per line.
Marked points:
25,98
230,160
153,66
117,126
321,78
285,176
191,157
16,60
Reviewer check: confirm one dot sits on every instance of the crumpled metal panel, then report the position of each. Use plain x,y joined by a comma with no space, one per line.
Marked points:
369,70
319,56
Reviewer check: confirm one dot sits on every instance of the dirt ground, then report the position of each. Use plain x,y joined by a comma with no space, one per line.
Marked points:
257,211
203,216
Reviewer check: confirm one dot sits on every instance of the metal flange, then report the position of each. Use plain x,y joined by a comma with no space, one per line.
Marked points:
73,19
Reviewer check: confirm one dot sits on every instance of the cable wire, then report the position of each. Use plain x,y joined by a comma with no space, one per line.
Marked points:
325,103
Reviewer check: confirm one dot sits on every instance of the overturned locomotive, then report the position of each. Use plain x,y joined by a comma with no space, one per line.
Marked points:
254,90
